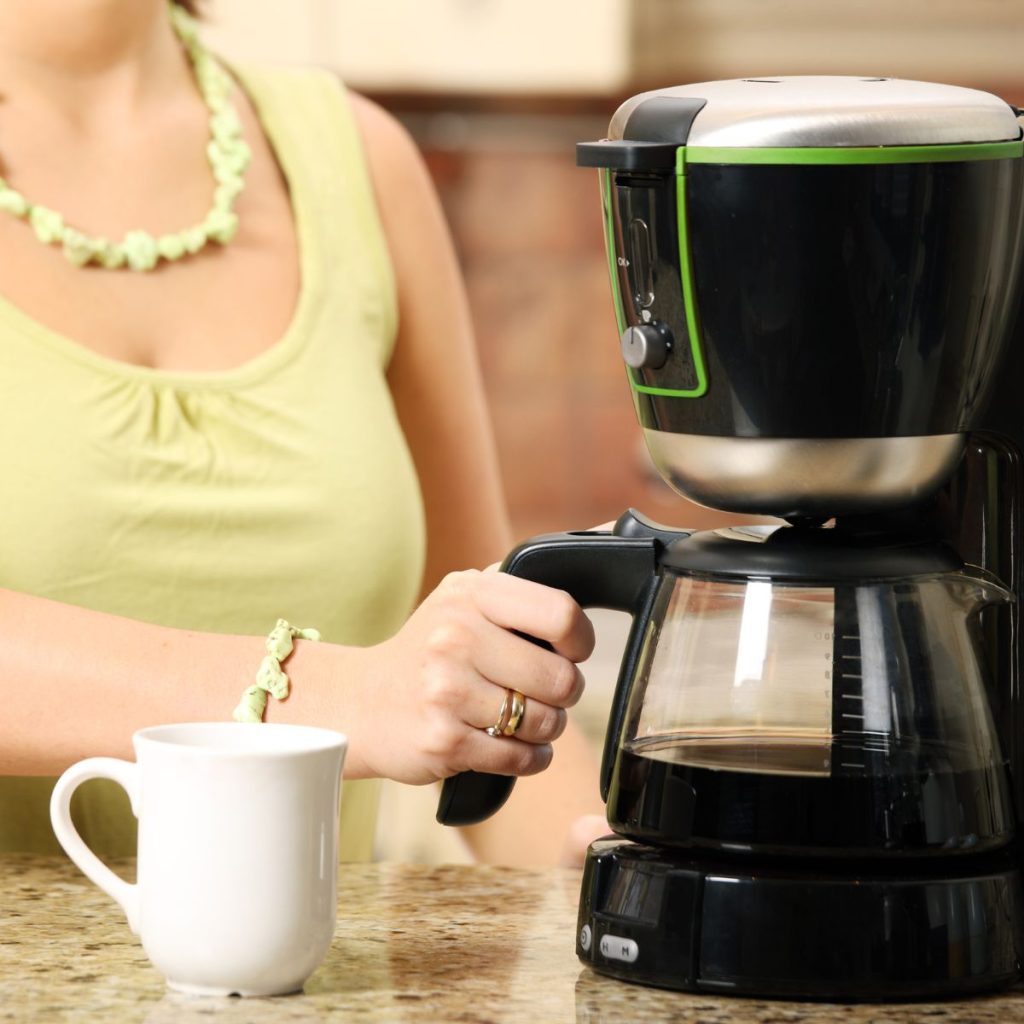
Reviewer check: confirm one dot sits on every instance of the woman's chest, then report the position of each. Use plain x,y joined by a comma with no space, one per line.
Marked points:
212,311
209,311
207,508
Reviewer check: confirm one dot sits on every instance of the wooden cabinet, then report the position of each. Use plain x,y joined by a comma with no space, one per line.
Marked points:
593,47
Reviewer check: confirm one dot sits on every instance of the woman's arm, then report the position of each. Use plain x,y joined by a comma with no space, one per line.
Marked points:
434,376
439,397
78,683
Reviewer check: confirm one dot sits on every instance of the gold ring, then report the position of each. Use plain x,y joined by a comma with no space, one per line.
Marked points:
504,715
515,718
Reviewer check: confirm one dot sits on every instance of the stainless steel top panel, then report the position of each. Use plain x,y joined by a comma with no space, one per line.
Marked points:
804,110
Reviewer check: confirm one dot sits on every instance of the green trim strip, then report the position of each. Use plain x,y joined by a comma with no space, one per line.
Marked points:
850,155
692,320
609,244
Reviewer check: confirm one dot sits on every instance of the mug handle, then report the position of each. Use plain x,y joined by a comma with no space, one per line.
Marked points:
126,775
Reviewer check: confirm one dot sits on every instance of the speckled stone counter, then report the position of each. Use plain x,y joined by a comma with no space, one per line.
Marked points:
459,944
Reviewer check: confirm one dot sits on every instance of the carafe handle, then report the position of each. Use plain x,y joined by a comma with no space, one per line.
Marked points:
599,570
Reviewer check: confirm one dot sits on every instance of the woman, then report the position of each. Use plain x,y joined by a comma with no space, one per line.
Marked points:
217,422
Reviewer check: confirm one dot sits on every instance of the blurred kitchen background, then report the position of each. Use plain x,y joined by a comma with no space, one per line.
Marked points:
496,93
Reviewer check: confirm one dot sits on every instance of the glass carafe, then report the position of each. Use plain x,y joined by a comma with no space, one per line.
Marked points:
801,718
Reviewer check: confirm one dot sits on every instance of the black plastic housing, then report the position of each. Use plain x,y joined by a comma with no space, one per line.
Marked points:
799,932
875,298
823,301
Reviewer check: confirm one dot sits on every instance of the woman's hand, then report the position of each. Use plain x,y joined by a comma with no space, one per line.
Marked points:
440,681
583,831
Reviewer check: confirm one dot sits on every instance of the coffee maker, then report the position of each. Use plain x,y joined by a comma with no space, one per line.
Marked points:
814,765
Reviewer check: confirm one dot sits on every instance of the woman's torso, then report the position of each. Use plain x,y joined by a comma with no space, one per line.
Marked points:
223,500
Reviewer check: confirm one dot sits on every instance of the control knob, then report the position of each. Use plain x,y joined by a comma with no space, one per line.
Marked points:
646,346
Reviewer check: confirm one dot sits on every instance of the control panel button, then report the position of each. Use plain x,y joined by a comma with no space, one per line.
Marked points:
586,938
646,346
614,947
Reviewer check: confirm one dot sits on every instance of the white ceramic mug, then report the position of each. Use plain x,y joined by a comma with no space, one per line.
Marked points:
238,849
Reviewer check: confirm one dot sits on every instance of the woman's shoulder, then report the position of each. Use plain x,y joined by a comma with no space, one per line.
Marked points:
406,203
305,87
393,158
395,166
402,184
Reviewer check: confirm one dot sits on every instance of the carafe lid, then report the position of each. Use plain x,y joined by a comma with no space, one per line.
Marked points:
812,555
814,111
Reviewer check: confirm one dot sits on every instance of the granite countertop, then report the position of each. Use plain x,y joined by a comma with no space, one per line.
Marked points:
438,944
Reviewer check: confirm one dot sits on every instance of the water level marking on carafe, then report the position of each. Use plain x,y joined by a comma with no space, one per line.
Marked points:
849,708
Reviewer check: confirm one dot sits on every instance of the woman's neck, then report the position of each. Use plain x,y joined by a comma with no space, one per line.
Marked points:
78,56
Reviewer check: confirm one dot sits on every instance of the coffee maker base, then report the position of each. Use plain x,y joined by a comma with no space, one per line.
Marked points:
844,933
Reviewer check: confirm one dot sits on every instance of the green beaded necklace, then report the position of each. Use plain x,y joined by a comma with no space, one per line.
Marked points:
227,153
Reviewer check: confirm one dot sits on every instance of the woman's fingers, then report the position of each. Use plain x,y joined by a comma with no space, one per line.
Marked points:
468,671
509,660
527,607
448,669
505,756
540,722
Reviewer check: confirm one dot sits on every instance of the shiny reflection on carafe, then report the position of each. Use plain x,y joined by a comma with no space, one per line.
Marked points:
740,677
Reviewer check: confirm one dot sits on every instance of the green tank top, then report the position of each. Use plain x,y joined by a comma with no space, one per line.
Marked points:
222,501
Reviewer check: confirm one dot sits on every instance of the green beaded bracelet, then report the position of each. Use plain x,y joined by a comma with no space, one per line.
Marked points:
270,677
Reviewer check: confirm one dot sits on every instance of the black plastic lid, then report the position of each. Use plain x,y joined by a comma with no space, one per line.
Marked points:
806,554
